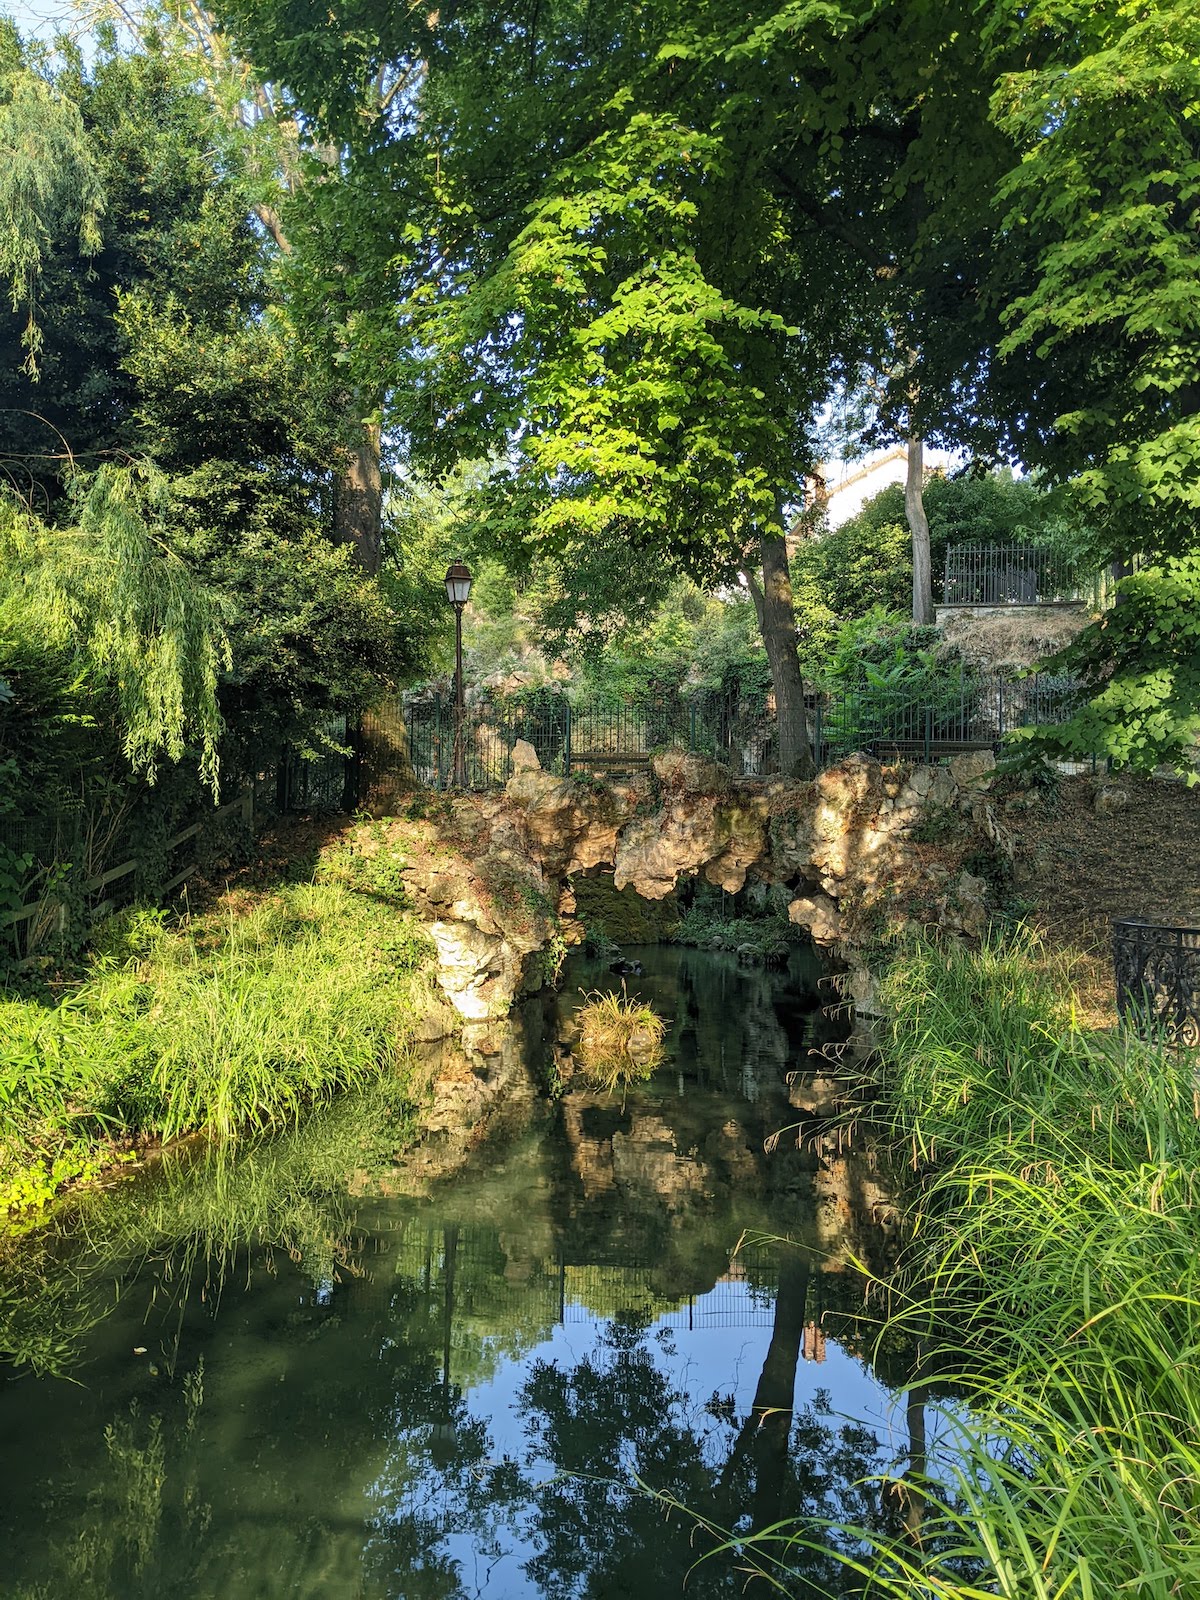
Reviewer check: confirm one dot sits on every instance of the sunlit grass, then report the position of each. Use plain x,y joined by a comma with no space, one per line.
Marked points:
225,1023
620,1041
1052,1272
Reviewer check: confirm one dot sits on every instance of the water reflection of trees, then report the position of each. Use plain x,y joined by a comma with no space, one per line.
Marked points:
369,1472
615,1415
372,1473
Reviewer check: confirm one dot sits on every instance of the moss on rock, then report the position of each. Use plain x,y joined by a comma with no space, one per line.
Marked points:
622,914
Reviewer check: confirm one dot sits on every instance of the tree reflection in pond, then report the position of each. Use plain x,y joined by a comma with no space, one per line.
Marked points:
616,1416
353,1393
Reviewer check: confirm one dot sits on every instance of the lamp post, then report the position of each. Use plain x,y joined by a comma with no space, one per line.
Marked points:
458,592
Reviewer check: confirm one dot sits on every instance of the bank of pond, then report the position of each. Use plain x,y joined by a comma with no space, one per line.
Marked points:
937,1339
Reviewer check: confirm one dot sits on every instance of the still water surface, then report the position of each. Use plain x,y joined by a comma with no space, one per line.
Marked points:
305,1370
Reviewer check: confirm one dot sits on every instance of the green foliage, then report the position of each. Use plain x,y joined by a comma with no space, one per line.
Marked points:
1104,203
49,185
621,914
49,719
377,871
220,1024
883,650
940,825
768,940
888,678
674,231
107,595
1100,281
197,609
1141,669
1052,1278
694,645
842,575
176,236
866,563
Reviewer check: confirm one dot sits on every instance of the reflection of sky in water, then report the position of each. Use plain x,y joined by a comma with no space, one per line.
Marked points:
712,1349
328,1456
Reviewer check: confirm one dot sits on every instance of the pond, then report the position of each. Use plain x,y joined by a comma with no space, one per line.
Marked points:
305,1369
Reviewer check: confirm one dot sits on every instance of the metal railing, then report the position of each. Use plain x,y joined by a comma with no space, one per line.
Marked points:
1157,969
410,742
592,735
928,721
1014,573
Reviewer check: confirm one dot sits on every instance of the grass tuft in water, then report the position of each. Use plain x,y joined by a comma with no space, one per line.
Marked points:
620,1042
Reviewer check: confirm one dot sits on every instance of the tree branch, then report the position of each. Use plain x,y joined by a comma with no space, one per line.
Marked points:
833,221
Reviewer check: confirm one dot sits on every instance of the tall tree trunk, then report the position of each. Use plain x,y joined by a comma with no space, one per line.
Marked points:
1122,567
918,523
358,487
777,622
358,501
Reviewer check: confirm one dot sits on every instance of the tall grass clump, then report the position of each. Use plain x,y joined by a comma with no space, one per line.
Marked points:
620,1041
229,1021
1052,1274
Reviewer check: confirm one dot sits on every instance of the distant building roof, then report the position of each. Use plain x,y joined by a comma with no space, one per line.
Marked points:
844,487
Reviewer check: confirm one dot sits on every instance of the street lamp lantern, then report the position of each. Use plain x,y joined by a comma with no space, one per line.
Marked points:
458,584
458,592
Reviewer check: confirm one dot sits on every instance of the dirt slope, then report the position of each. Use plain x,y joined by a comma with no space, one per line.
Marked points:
1078,868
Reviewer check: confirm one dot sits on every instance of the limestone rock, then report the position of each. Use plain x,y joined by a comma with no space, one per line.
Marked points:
565,827
494,881
969,912
819,914
973,769
941,790
690,835
862,990
469,963
693,774
436,1022
1111,798
525,757
817,1094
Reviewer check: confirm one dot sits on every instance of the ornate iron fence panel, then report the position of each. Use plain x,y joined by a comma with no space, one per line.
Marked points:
491,728
1158,980
609,736
1014,573
410,741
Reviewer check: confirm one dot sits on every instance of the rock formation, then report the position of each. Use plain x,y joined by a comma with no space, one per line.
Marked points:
852,848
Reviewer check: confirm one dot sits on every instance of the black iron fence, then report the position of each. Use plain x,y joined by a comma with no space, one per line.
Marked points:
930,720
1158,980
1014,573
592,735
325,782
407,742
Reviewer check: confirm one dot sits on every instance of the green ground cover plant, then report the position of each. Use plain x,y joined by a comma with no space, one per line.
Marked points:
227,1021
765,939
1052,1274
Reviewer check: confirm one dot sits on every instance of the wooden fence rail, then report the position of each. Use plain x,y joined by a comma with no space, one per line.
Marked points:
244,804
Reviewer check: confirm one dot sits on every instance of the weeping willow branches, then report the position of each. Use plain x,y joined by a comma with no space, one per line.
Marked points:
49,184
107,589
